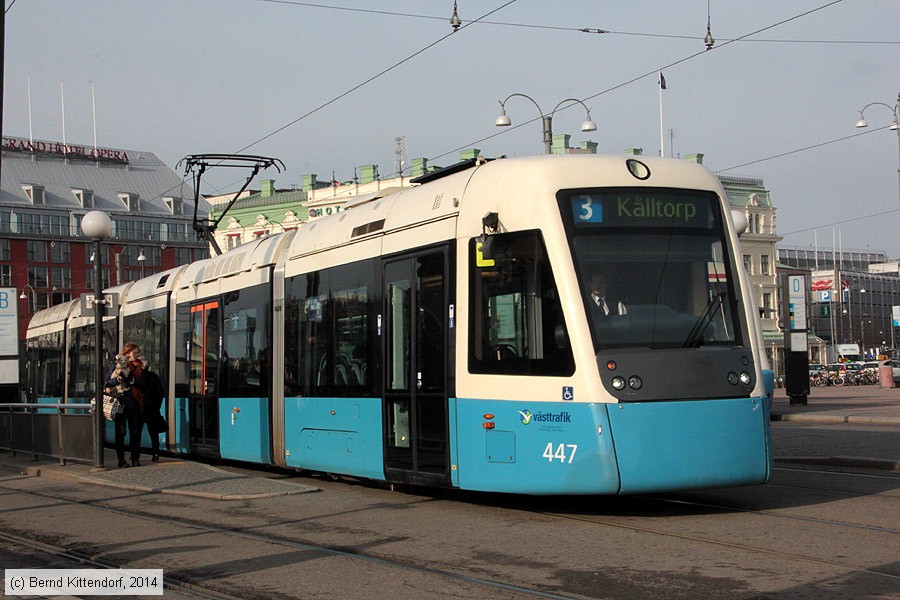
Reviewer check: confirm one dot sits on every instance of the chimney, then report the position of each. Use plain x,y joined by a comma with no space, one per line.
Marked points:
634,151
469,154
697,158
419,167
560,143
589,147
368,173
268,188
309,182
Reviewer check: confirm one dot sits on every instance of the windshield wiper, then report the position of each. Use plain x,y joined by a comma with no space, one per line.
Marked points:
696,335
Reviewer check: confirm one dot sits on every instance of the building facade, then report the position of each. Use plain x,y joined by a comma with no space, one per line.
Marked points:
852,295
46,189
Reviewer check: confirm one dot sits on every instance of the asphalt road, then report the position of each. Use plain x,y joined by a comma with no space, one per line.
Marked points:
813,532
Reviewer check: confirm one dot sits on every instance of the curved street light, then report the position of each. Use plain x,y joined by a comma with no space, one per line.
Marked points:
31,298
504,121
895,124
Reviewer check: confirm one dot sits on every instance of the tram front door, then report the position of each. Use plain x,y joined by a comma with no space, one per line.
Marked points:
416,370
203,399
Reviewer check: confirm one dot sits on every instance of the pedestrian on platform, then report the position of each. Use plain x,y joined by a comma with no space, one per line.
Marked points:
121,384
153,392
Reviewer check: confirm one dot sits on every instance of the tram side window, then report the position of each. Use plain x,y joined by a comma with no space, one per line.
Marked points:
327,331
82,373
246,337
49,367
182,350
150,331
516,324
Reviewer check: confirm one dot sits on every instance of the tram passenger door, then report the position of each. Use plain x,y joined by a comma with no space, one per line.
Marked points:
416,359
203,400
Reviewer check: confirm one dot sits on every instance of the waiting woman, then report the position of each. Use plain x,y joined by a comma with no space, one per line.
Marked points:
125,372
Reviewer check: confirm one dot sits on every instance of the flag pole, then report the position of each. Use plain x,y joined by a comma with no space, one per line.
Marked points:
62,98
662,139
94,111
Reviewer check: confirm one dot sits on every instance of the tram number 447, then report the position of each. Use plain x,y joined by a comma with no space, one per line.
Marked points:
564,453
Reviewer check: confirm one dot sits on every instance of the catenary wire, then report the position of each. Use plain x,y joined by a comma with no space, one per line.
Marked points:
592,30
373,78
648,74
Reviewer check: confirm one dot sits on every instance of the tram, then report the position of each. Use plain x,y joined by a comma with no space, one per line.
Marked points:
446,335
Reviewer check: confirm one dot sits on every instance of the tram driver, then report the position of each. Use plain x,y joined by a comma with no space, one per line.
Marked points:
604,300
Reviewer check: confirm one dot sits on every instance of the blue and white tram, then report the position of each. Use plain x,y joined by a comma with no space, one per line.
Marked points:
446,335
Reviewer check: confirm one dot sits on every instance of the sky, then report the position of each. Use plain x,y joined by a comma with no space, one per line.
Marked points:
329,86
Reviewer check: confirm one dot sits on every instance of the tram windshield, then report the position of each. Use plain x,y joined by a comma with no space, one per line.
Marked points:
653,267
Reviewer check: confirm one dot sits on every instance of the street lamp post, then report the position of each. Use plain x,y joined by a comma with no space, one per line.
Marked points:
849,309
504,121
895,126
25,296
97,225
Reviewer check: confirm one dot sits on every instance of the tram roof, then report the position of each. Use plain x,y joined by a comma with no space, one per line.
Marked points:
510,186
55,314
258,254
152,285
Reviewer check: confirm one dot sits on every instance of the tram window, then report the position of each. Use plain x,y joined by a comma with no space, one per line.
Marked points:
82,374
516,324
664,254
49,369
327,330
149,330
246,343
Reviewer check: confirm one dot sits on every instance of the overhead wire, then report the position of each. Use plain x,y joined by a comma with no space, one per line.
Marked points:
481,20
592,30
374,77
804,149
359,85
653,72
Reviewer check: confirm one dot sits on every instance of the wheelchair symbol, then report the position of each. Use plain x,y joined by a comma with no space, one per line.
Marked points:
568,393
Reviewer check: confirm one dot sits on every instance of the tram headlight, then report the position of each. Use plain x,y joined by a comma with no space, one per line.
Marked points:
745,377
618,383
635,383
732,378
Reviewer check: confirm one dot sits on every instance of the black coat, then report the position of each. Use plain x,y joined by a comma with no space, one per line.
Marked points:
152,388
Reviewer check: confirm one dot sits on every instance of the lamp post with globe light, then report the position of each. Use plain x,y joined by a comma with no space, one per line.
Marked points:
97,225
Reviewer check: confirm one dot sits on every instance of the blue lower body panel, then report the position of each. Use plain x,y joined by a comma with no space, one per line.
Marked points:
553,448
244,429
691,444
335,435
181,441
45,400
534,448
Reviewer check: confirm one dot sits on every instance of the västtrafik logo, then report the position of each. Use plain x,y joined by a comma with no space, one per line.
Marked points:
526,416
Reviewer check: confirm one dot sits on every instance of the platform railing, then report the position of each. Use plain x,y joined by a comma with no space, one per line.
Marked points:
66,432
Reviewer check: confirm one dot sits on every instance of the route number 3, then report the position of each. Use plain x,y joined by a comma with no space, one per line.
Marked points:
587,211
560,453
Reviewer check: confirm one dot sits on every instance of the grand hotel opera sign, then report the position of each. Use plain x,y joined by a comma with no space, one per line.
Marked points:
65,150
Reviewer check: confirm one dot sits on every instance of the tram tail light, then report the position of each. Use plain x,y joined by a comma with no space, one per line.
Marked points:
488,425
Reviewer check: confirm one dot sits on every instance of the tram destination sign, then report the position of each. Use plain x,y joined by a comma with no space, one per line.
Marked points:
642,208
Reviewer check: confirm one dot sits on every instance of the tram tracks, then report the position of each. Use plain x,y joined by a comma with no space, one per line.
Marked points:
732,545
645,526
796,556
208,592
87,560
